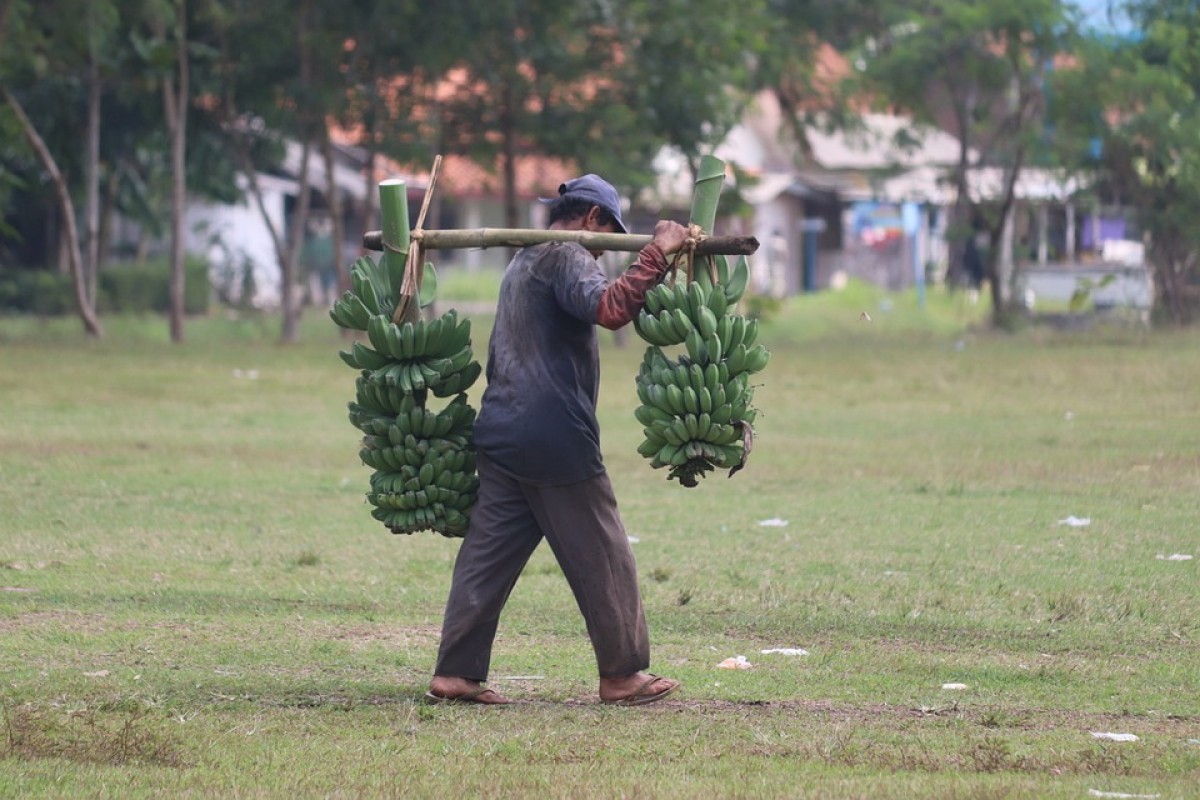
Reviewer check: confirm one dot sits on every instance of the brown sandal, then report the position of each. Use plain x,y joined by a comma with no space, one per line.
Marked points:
641,696
474,696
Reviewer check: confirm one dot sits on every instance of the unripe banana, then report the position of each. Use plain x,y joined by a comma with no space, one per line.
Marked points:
675,399
695,346
706,321
651,301
649,447
681,323
757,359
751,335
718,304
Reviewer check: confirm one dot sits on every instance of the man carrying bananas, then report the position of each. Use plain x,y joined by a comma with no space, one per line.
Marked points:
538,455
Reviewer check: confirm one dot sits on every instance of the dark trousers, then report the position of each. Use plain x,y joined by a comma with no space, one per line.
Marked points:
581,523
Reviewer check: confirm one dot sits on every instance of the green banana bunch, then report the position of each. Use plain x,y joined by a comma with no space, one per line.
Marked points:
696,409
425,483
423,458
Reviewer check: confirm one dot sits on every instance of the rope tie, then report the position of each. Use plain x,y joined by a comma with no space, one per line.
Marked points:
687,253
414,259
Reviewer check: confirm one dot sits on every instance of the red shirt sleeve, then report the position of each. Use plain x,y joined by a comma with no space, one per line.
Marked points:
625,296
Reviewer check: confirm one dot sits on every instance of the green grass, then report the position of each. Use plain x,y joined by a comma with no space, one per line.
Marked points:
194,601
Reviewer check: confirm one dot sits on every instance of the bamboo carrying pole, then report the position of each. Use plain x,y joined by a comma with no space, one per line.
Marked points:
484,238
394,207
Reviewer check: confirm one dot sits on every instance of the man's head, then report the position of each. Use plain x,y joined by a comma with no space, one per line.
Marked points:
578,196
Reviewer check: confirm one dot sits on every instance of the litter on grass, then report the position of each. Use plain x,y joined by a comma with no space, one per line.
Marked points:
1115,737
1076,522
736,662
773,522
1098,793
785,651
1174,557
633,540
954,687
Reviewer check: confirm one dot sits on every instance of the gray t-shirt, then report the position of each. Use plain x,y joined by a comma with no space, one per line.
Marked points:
537,419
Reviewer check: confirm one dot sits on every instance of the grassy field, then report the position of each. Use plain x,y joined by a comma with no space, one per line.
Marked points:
195,602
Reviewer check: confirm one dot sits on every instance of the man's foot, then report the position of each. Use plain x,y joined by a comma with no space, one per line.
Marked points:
460,690
635,690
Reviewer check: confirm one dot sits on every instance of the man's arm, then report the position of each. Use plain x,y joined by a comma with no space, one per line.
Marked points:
625,296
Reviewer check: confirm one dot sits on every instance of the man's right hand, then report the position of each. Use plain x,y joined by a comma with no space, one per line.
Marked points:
669,236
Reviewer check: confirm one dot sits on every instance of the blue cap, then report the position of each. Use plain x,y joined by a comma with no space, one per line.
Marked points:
594,190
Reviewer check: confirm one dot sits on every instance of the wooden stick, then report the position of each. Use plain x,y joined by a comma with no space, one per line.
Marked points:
483,238
415,269
433,176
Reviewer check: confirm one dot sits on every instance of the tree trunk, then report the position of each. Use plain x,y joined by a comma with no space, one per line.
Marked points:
1001,295
962,221
108,211
368,204
66,208
4,11
175,106
289,257
1172,264
508,156
366,210
308,124
91,197
511,215
334,201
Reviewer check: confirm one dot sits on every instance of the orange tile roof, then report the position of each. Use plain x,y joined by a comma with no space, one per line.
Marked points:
536,176
462,176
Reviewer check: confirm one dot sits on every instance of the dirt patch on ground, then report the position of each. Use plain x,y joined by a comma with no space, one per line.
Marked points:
1030,719
73,621
362,637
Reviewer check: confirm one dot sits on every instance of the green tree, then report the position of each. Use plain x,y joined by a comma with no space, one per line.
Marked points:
391,65
530,67
685,71
979,69
789,65
601,84
273,76
1140,97
64,40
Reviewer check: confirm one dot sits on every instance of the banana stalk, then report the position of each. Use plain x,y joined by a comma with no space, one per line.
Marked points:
710,178
395,243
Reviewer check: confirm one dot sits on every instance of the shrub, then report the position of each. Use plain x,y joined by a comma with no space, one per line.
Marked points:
36,291
122,288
